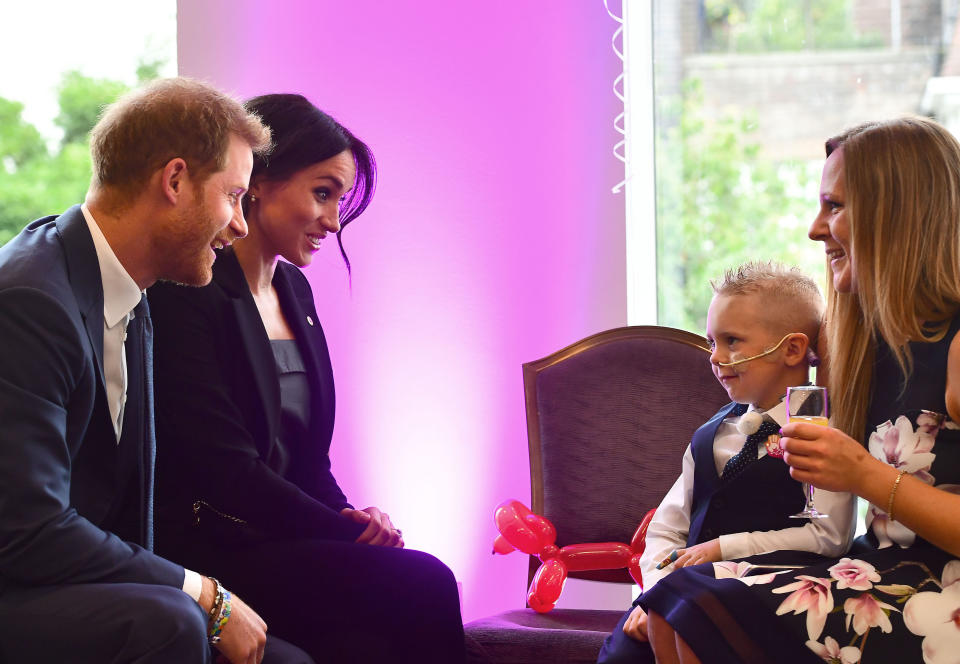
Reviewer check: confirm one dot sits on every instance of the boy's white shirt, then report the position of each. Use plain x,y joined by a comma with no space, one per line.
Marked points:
671,523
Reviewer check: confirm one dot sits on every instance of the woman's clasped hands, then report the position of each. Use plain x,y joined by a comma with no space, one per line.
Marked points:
380,531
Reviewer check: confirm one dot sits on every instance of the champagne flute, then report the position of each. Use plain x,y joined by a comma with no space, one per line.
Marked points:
808,403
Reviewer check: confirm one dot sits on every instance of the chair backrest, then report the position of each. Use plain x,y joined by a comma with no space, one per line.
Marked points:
608,420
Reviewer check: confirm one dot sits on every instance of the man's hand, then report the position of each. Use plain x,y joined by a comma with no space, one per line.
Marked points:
636,625
379,531
245,634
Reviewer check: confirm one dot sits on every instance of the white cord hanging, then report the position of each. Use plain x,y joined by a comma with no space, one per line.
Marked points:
619,148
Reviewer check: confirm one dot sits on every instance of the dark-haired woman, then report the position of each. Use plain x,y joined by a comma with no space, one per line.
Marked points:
245,410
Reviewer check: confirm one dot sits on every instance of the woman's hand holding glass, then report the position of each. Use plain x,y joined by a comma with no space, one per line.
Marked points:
808,403
825,457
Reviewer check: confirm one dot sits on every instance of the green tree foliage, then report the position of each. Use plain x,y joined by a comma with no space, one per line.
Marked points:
20,142
35,181
81,100
43,186
753,26
148,70
719,204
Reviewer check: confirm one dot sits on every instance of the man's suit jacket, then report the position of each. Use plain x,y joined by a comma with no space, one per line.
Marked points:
64,481
218,414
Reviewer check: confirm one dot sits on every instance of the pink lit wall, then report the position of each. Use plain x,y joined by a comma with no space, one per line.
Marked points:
494,238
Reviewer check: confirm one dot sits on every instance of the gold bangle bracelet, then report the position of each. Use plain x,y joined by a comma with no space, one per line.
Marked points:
893,493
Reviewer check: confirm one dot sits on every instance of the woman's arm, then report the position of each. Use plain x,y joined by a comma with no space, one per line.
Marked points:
828,537
296,301
831,460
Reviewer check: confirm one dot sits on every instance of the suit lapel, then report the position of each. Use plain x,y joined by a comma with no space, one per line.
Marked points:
705,467
253,338
83,269
84,273
706,481
297,310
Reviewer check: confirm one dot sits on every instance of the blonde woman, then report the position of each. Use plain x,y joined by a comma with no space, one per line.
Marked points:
889,219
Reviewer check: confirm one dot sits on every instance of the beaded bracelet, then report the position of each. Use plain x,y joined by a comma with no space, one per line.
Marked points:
215,610
217,598
223,615
893,492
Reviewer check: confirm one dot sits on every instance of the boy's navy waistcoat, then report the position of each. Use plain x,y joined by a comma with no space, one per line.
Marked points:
761,497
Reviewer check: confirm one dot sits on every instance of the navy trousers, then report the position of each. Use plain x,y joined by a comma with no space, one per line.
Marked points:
344,602
112,623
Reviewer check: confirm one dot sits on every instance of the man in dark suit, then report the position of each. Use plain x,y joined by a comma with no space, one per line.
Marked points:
78,579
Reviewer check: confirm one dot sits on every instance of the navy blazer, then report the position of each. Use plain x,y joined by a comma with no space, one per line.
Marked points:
64,481
218,414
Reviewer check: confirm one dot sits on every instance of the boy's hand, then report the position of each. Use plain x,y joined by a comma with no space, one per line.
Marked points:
708,552
636,625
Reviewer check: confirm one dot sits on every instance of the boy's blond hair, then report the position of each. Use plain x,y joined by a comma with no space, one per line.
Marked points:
791,300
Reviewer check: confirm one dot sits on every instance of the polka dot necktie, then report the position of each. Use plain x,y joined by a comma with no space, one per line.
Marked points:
748,454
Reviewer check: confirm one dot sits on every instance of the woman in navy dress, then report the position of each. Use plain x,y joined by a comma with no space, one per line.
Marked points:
889,219
245,412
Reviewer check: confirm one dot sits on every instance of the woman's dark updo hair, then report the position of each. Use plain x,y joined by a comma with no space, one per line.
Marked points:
303,135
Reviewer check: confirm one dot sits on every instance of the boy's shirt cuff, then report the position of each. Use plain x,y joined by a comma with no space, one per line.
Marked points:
735,545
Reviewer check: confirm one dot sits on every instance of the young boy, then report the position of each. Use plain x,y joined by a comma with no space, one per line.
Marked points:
760,325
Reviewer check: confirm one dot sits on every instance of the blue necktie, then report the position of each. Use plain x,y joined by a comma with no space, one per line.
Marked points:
748,453
140,346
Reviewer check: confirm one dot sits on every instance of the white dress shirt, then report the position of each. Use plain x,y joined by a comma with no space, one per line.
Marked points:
120,295
671,523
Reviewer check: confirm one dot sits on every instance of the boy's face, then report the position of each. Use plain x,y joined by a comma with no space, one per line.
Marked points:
736,329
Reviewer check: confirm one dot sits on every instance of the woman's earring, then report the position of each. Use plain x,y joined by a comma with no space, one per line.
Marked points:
253,198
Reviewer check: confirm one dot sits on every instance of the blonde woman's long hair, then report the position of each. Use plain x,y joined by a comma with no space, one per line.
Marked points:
902,183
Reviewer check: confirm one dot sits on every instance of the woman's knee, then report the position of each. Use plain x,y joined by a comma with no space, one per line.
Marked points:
430,567
426,574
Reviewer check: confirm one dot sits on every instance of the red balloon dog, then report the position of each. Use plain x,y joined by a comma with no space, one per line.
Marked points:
520,529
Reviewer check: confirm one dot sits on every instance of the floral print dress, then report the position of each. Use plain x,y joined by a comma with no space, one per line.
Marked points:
893,598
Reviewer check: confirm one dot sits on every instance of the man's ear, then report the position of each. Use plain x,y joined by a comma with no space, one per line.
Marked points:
174,179
796,349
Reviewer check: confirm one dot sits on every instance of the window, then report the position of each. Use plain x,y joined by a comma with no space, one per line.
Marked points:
745,92
52,90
